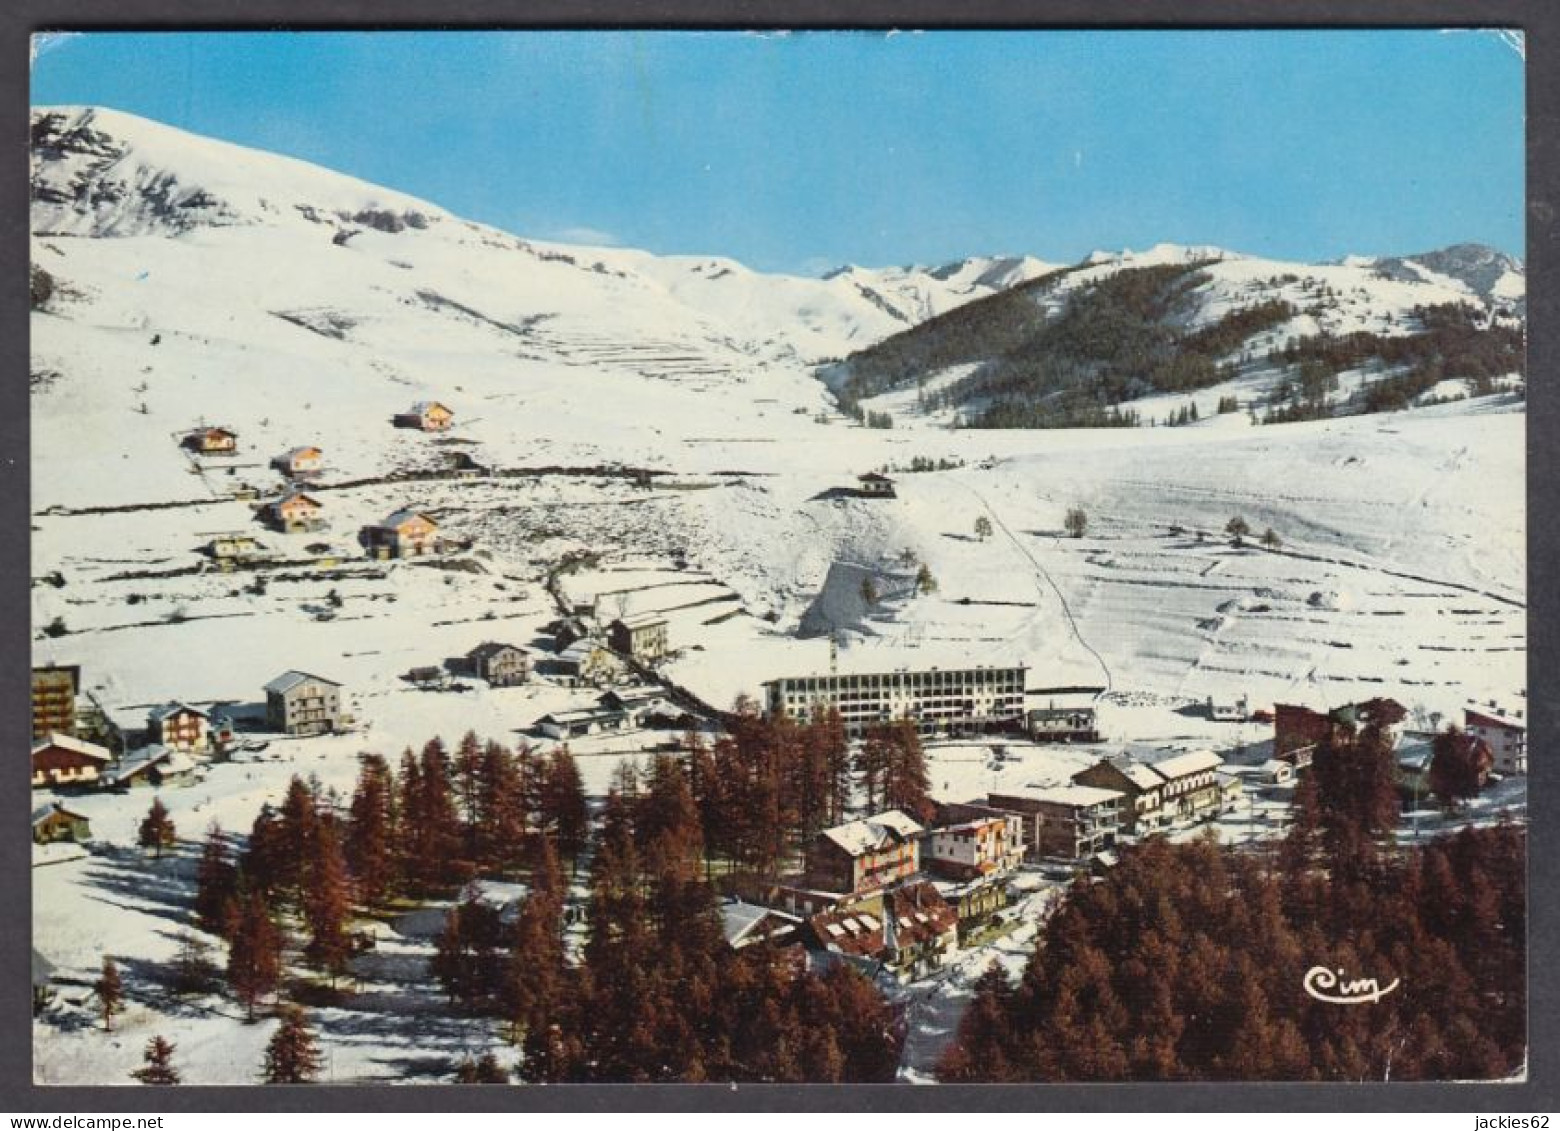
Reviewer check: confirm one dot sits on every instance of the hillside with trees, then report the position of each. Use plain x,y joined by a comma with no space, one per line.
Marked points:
1190,962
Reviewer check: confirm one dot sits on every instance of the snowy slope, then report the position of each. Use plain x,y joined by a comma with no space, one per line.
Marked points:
1402,568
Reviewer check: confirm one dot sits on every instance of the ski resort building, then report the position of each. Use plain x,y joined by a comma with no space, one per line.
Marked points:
1191,788
60,759
1072,821
938,701
154,766
299,703
1070,714
234,548
426,416
1506,733
1142,788
643,638
585,661
179,726
54,690
867,854
976,848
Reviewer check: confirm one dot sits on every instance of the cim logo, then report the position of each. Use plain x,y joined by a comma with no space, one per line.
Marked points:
1326,985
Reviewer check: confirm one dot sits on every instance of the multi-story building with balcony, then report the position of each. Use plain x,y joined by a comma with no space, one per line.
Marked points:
300,703
938,701
1074,821
862,855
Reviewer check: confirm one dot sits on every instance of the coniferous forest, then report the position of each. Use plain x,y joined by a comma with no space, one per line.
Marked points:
1187,962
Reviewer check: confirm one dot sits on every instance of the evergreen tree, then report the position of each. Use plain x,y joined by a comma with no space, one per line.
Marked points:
536,968
158,1067
982,527
1459,766
1237,528
254,952
905,783
925,583
1076,523
327,905
563,808
293,1054
371,831
484,1070
1271,540
467,961
110,993
193,971
265,865
299,821
869,592
215,879
157,832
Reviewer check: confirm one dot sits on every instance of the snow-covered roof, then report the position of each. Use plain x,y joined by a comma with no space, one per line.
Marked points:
858,837
1183,765
1138,774
285,682
139,761
298,453
74,745
1082,795
403,516
168,710
295,497
580,715
1492,716
492,648
640,620
739,918
579,651
43,812
1273,766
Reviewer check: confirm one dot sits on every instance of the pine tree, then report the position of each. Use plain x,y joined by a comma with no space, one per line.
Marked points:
484,1070
110,993
214,879
371,831
905,783
265,864
1271,540
193,971
254,952
1459,766
293,1054
158,1068
1076,522
157,832
869,592
925,583
299,822
327,905
1237,528
563,807
536,968
982,527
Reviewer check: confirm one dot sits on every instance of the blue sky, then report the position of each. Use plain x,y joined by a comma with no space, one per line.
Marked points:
802,151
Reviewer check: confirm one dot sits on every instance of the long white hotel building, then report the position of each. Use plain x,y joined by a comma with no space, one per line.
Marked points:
939,701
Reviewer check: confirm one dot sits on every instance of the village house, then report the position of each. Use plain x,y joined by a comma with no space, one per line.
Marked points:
427,416
1192,789
643,638
866,854
1142,811
233,548
300,463
404,534
1411,765
907,932
1071,821
1228,710
1276,771
875,486
582,722
53,822
1070,714
976,848
294,513
640,704
154,766
62,759
464,465
1231,791
1506,733
586,661
747,924
212,441
299,703
502,665
54,691
180,727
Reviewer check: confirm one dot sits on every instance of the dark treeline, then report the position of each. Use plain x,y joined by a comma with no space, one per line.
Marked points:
1452,344
1113,341
654,993
1186,961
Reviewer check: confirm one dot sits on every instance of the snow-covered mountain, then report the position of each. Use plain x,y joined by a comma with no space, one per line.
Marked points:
102,173
1126,327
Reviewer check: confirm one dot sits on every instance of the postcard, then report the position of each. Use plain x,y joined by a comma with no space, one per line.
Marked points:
579,557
